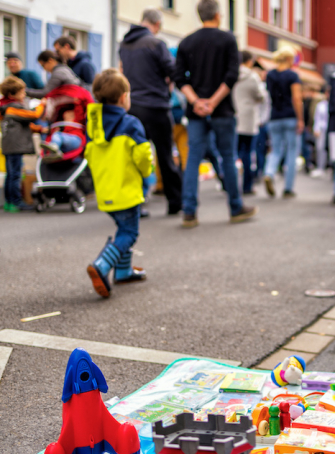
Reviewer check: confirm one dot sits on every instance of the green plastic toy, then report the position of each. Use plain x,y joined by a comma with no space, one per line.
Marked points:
274,421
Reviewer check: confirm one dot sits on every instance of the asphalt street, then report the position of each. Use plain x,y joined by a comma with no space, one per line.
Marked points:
208,293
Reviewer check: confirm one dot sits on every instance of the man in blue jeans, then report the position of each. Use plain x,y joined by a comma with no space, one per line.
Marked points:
206,70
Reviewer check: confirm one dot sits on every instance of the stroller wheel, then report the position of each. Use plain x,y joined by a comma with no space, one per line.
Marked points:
78,202
40,207
51,202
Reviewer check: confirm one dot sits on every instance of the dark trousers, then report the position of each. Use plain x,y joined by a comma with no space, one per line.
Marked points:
158,128
261,148
13,179
244,152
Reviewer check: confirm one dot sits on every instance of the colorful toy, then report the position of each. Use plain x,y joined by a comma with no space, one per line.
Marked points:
296,411
289,371
87,425
274,422
317,380
213,436
260,418
284,416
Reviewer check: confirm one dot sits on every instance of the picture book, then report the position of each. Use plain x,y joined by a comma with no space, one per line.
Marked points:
313,419
328,400
202,415
202,379
135,422
189,398
156,411
247,382
317,380
304,440
249,400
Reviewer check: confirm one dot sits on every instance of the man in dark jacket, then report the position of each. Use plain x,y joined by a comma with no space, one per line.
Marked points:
148,65
207,69
15,66
80,62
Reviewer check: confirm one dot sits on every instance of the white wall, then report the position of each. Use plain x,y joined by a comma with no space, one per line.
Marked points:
85,15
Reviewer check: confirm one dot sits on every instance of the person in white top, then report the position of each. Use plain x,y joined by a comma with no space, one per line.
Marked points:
320,127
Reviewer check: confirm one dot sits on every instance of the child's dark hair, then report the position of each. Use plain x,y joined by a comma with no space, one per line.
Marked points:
46,55
109,86
63,40
11,85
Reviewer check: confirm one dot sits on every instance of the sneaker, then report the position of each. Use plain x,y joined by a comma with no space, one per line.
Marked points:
288,195
317,173
269,186
144,213
174,209
244,214
138,275
52,157
51,147
251,192
100,283
190,221
13,208
6,206
23,206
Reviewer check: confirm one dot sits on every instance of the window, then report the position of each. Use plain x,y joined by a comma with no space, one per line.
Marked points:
272,43
232,15
299,16
168,4
251,7
276,12
8,31
79,36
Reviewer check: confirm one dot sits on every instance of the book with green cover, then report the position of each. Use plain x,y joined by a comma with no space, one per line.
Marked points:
189,398
246,382
202,379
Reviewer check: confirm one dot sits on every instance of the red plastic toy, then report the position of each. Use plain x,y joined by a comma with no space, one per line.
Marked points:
88,427
285,417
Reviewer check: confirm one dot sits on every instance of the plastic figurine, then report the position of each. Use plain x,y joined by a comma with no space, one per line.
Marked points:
289,371
87,424
274,422
284,416
296,411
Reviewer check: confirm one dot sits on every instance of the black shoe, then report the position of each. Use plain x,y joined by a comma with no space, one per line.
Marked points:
288,195
269,186
144,213
23,206
251,192
174,209
244,214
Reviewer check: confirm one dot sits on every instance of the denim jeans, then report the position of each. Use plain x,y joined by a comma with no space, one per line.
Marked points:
127,222
66,142
13,179
283,130
244,148
198,130
213,155
261,146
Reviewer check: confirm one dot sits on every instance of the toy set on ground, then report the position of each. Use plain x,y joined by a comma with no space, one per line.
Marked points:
199,405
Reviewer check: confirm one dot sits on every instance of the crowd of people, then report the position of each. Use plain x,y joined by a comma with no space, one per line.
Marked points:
213,101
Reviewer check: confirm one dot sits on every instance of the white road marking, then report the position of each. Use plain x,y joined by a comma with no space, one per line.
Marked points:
4,357
12,336
38,317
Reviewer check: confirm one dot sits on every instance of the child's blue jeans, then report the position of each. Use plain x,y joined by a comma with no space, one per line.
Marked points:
66,142
127,222
13,179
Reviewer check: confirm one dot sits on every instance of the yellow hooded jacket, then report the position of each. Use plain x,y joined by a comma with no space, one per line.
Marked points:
119,156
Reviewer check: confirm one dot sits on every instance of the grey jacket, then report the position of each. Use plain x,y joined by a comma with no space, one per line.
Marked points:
61,75
16,134
248,92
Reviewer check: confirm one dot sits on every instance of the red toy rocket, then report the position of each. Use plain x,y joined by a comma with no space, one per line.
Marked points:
88,427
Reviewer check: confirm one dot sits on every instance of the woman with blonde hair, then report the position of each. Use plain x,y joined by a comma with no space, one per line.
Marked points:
287,120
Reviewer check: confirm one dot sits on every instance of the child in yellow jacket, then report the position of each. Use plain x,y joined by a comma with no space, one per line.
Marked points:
119,156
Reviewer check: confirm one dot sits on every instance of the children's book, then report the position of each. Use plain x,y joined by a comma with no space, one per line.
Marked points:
317,380
156,411
296,441
202,379
249,400
246,382
313,419
135,422
189,398
328,400
202,415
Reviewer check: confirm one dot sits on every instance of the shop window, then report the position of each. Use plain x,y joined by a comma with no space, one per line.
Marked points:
168,4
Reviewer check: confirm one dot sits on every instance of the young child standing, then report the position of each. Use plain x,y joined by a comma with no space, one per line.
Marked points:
119,156
16,138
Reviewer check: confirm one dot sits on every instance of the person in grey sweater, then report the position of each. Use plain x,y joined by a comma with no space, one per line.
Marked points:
61,74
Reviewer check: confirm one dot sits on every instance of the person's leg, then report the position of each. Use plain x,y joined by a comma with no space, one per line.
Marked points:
181,140
261,149
224,129
213,155
274,158
197,139
15,180
158,127
321,153
7,185
291,138
66,142
244,152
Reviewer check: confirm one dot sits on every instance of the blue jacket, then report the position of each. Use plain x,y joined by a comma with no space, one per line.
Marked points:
146,63
82,66
31,78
